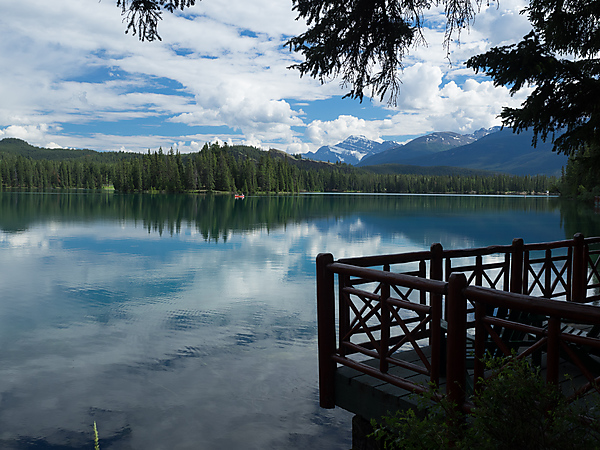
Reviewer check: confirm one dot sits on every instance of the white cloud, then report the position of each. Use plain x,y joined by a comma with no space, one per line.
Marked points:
26,132
219,71
334,131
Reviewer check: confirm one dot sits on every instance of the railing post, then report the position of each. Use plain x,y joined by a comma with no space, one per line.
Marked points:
344,312
436,339
506,270
548,274
326,330
553,348
436,271
579,282
422,274
385,327
436,267
480,338
526,270
516,267
457,339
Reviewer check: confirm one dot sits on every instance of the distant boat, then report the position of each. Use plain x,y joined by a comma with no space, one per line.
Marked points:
239,196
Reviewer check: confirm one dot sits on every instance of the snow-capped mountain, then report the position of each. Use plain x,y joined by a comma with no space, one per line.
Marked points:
352,150
424,146
482,132
358,150
486,149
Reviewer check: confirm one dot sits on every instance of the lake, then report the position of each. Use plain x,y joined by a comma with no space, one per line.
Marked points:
188,322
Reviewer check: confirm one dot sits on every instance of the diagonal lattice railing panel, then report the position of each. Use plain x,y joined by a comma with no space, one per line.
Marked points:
549,276
408,325
593,274
411,334
365,317
379,321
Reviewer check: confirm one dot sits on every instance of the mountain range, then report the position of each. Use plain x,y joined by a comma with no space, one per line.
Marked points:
493,149
351,151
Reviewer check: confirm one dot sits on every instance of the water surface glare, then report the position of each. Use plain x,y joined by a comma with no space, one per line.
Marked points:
186,322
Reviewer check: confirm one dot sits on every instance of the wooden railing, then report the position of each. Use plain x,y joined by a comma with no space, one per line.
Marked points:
531,325
540,269
387,304
376,320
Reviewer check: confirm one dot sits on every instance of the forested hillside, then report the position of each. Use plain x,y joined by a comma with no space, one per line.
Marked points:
230,169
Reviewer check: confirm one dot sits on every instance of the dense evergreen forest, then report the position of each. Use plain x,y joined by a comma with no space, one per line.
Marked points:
233,169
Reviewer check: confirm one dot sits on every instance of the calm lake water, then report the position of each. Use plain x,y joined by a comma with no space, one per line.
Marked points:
188,322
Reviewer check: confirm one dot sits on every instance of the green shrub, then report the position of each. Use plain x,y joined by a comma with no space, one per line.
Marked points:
515,409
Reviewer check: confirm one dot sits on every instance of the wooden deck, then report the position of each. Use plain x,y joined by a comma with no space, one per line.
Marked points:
372,398
429,318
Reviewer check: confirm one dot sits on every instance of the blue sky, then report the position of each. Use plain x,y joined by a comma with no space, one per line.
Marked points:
72,78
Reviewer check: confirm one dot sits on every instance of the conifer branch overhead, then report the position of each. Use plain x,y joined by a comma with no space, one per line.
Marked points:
142,16
365,41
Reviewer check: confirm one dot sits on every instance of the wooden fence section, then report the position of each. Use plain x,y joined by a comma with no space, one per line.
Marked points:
438,302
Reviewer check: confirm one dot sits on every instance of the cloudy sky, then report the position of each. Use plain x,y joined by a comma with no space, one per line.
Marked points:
71,77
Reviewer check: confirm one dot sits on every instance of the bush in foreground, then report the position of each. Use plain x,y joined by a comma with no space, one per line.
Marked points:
515,409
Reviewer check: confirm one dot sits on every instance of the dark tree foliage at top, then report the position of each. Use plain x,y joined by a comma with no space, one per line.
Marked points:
559,59
364,41
142,16
565,102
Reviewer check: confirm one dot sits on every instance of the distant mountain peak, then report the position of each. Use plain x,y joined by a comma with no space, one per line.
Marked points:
361,138
351,150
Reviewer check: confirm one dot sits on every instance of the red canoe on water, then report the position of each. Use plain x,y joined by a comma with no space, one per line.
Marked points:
239,196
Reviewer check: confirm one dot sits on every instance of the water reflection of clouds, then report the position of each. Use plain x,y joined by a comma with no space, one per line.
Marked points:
160,335
118,319
24,240
129,327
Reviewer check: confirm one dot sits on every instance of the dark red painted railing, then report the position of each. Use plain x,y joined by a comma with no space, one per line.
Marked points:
548,334
375,323
390,303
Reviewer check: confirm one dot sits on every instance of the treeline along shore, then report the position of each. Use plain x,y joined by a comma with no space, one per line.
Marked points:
237,169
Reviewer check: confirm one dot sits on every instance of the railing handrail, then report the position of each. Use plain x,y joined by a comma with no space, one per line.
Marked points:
478,251
592,240
575,312
400,258
392,258
410,281
549,245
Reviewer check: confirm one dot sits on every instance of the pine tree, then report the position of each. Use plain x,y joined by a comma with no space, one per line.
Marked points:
559,58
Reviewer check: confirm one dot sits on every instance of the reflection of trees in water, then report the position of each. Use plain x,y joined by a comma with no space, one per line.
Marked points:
215,216
578,217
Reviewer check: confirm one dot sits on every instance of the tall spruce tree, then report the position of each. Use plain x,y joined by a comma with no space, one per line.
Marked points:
560,59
